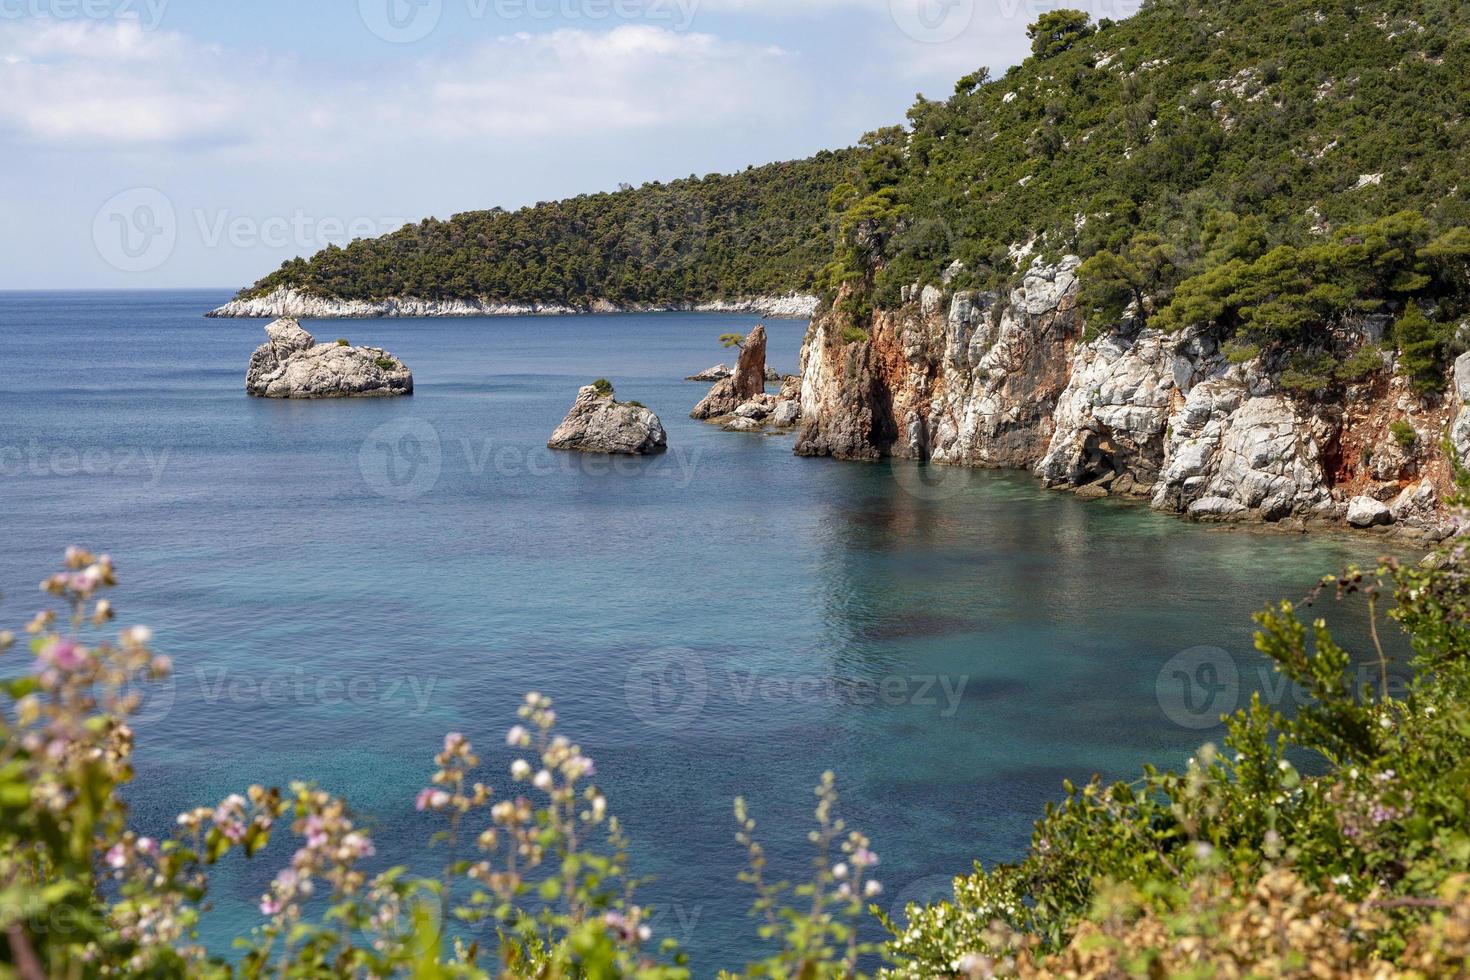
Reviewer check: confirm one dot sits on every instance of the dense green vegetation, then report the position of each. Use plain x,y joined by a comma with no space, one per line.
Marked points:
1260,167
760,232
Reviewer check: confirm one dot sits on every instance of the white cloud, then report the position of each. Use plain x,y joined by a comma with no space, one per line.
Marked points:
631,78
113,84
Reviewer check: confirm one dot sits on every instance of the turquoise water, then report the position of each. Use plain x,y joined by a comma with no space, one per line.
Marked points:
340,583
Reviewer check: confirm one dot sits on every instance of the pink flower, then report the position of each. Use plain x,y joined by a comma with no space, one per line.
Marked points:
517,736
117,857
316,834
359,844
431,799
453,741
270,905
65,655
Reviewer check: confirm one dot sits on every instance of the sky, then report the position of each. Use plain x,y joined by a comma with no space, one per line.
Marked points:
200,143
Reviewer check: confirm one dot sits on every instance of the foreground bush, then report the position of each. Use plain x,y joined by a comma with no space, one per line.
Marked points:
1240,866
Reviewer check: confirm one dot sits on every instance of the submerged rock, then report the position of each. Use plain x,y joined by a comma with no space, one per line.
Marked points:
748,380
598,423
293,365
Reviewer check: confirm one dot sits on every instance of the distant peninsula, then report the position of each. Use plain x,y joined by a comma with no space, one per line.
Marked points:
751,242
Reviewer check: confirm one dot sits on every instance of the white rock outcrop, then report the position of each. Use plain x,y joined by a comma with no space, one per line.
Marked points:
291,364
1366,512
597,423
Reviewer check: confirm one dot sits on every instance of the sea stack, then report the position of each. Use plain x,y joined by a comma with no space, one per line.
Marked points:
748,381
598,423
293,365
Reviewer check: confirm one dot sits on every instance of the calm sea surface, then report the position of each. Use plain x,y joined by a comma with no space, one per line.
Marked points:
341,583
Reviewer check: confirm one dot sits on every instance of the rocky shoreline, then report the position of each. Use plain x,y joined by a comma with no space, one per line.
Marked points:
975,379
285,302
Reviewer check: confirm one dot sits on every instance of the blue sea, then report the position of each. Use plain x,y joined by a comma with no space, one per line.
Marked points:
342,583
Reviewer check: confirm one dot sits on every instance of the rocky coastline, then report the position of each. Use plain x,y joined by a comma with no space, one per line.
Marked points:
285,302
975,379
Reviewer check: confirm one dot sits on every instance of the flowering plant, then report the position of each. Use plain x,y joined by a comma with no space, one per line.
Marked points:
546,865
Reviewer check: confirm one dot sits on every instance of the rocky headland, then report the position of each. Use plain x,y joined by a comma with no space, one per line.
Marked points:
977,379
598,423
291,364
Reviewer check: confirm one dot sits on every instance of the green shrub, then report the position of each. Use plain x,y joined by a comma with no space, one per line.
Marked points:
343,342
854,335
386,363
1422,346
1363,363
604,387
1404,434
1236,353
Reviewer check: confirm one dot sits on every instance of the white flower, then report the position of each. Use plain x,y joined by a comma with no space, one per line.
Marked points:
839,871
872,888
543,781
520,770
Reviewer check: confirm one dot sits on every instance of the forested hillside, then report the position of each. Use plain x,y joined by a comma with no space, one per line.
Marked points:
760,232
1258,165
